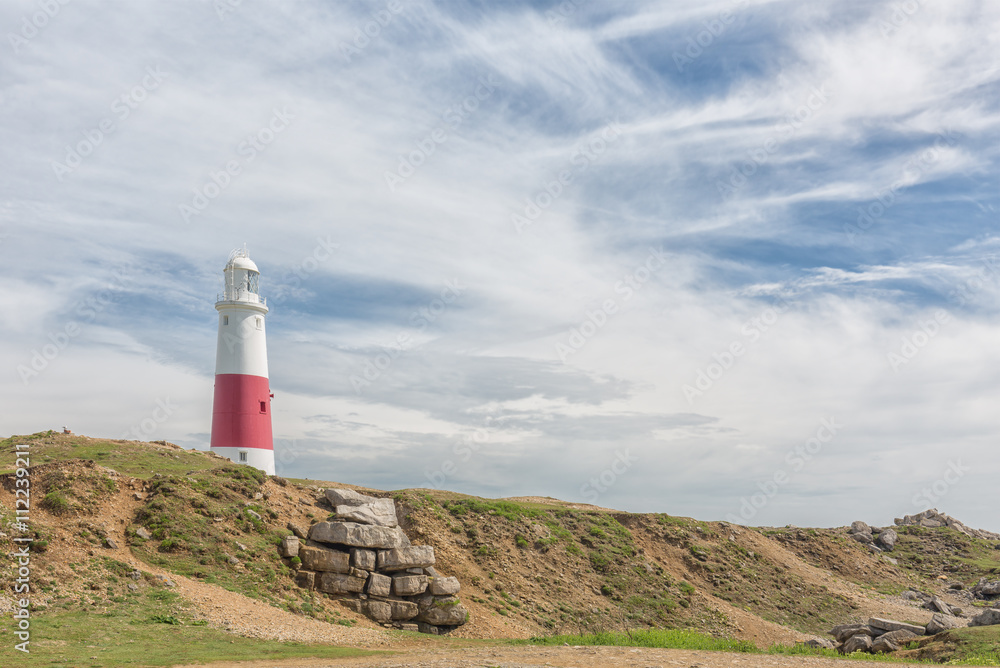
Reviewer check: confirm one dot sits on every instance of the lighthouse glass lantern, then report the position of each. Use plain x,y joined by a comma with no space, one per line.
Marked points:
241,414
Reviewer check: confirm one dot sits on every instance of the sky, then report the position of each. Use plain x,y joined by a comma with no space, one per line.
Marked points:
733,260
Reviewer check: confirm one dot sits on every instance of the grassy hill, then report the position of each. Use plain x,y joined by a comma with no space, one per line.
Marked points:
114,521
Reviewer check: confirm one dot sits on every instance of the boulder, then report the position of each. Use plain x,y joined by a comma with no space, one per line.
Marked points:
845,631
409,585
940,622
424,627
818,643
352,604
142,533
990,589
937,605
863,538
444,586
382,513
324,559
893,625
297,530
361,508
887,539
402,610
400,559
340,583
986,618
379,585
892,641
931,524
380,611
305,579
860,527
290,547
445,611
858,643
424,601
359,535
346,497
363,559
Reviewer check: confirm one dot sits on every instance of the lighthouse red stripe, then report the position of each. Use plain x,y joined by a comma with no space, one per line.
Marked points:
237,420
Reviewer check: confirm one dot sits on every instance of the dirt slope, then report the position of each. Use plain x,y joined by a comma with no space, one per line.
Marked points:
529,566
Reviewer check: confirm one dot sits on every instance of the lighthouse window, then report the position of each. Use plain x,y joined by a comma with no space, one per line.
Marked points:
243,455
260,322
253,281
263,407
225,320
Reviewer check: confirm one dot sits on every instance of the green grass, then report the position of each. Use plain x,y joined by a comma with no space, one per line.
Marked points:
666,638
975,646
153,628
693,640
134,459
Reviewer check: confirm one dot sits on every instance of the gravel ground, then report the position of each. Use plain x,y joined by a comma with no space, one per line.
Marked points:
579,657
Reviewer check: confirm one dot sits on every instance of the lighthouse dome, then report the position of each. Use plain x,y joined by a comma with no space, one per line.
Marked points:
242,263
242,280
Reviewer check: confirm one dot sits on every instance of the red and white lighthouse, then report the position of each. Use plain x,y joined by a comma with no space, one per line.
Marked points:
241,416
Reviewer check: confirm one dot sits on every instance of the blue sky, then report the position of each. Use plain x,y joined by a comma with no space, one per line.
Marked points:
721,259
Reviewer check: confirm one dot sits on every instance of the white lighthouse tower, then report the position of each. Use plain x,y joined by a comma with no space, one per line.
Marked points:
241,416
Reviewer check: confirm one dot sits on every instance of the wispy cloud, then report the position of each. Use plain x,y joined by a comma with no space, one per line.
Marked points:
750,137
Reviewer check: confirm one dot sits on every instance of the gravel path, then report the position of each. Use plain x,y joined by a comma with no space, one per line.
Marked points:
579,657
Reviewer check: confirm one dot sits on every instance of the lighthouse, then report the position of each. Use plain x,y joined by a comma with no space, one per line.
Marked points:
241,415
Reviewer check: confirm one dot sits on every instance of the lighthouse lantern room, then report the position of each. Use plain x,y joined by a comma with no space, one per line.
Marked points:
241,415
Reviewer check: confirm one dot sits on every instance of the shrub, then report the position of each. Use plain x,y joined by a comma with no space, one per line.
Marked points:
55,502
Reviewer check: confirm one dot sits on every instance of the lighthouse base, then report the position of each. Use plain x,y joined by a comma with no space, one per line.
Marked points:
259,458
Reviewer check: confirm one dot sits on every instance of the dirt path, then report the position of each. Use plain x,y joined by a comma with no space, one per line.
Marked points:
579,657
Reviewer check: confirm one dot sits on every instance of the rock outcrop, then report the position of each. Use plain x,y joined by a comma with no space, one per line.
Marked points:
365,559
933,519
877,636
986,618
942,622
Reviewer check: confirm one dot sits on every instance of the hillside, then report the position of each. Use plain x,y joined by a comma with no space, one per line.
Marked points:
124,528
